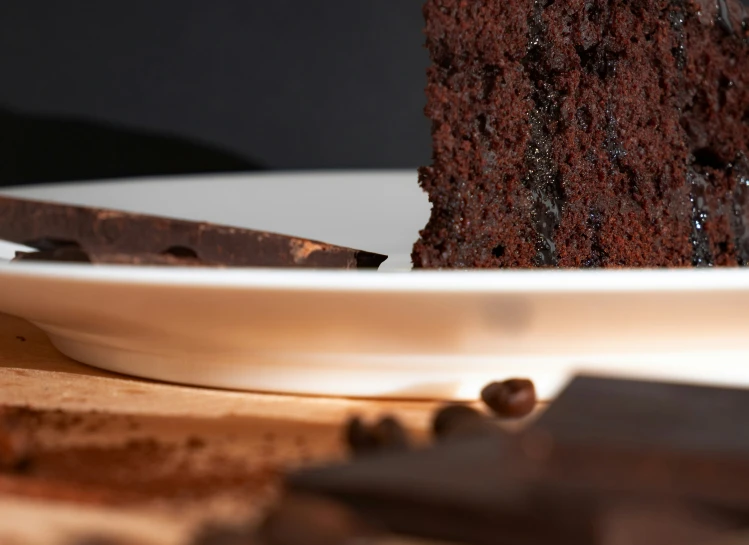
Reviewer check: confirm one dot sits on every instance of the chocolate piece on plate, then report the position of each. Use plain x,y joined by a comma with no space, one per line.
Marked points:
75,254
604,453
76,233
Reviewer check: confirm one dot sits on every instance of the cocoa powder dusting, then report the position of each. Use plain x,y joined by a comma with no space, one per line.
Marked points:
133,471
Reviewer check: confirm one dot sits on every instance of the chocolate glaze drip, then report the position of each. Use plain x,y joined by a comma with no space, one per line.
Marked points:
616,152
613,145
728,15
676,17
723,18
739,220
597,253
702,256
543,177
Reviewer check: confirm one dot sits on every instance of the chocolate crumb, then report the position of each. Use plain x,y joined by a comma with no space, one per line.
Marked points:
460,421
387,434
21,338
311,520
511,398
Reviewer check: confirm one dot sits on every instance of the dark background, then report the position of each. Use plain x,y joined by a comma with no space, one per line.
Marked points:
281,84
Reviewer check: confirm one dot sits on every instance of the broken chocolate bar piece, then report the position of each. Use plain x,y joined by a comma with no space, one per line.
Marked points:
75,233
603,450
462,490
73,254
663,439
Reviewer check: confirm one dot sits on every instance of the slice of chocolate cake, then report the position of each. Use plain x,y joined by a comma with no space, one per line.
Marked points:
587,133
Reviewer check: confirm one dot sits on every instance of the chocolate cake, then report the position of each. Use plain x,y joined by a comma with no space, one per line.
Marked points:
587,133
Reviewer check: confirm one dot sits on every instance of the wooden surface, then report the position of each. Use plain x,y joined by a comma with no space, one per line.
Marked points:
34,374
304,430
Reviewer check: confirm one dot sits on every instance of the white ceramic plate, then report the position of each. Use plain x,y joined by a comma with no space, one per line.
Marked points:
395,334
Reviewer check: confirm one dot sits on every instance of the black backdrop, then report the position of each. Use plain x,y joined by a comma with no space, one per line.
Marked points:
286,84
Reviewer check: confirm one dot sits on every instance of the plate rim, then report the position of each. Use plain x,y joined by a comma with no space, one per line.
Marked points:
419,281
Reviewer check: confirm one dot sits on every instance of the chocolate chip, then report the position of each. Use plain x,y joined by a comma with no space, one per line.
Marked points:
310,520
387,434
460,420
511,399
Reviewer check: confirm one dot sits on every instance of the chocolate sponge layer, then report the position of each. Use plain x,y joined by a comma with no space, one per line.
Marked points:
587,133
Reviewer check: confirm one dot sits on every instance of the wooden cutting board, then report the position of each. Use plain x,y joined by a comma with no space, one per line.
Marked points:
259,430
85,408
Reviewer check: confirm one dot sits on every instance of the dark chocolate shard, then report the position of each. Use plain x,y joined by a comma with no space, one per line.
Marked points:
675,441
604,451
77,255
462,491
662,415
75,233
474,491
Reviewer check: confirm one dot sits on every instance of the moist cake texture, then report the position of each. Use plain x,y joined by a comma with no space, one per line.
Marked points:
587,133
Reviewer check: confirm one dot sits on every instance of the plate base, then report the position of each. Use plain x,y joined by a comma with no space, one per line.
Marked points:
396,377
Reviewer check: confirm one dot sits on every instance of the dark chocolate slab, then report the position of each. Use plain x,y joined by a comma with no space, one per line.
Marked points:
76,255
664,439
108,236
473,491
603,450
462,490
654,414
